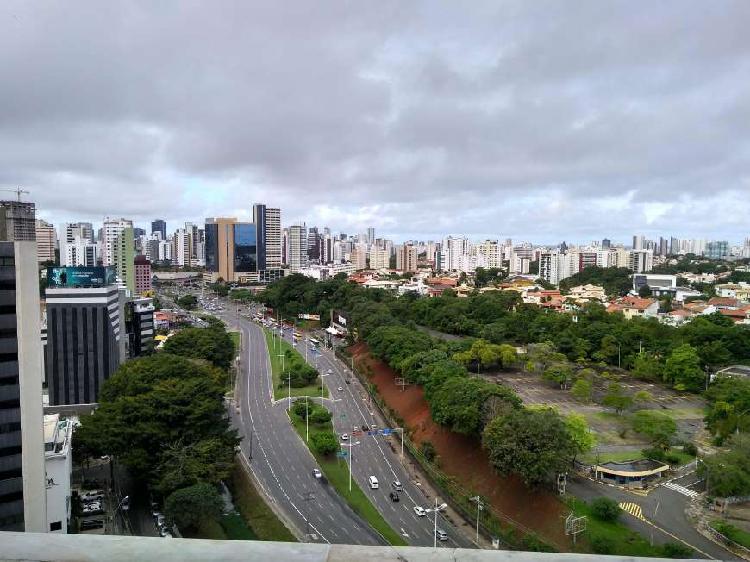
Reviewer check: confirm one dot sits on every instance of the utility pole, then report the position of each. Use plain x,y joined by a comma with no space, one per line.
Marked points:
307,421
480,507
250,456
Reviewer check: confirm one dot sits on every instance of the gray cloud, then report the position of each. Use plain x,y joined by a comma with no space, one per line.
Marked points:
535,120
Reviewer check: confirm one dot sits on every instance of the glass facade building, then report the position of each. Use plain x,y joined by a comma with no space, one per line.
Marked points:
245,248
212,247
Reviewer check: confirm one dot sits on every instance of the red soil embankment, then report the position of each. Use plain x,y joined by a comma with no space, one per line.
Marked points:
463,457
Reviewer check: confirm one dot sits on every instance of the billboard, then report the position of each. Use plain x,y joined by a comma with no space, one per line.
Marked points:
80,276
309,316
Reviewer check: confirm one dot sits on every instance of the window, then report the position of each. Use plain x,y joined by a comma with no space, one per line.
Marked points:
55,526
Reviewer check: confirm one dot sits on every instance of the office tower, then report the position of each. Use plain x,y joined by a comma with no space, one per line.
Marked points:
123,259
231,249
17,221
159,226
313,245
46,240
22,478
606,244
297,258
406,258
717,249
267,222
137,232
371,235
142,274
110,232
139,326
639,242
83,332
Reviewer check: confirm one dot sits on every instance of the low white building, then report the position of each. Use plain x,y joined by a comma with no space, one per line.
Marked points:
58,462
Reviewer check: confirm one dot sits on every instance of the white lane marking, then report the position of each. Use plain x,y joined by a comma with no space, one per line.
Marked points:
681,490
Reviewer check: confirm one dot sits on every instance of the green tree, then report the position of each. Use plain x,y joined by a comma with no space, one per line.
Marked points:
535,444
187,302
320,416
644,292
616,398
605,509
659,427
729,406
325,443
189,507
646,366
728,473
683,369
559,373
208,460
582,390
580,433
213,344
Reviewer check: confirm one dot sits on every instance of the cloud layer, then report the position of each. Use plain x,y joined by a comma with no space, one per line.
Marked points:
537,120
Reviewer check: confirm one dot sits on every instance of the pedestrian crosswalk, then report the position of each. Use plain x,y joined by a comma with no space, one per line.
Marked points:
681,489
633,509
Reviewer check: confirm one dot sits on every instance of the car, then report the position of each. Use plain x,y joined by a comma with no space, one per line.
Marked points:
329,372
394,497
365,428
355,428
345,437
373,427
341,389
441,535
348,381
317,473
419,511
160,521
396,485
163,532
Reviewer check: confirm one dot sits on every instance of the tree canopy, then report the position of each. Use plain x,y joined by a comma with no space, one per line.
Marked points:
188,507
212,344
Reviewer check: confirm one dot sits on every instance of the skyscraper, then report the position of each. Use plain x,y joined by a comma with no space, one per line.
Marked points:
406,258
371,235
22,476
159,226
123,256
17,221
45,241
297,257
267,222
111,229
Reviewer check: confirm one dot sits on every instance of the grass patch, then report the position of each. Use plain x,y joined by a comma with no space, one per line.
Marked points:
611,537
279,390
235,340
257,515
337,472
739,536
207,529
235,528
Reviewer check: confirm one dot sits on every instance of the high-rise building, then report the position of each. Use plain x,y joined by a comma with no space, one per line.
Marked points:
17,221
139,326
639,242
641,261
358,256
406,258
77,246
371,235
123,259
606,244
22,476
46,240
83,332
231,249
267,222
142,274
313,245
379,258
453,252
111,230
159,226
717,249
297,253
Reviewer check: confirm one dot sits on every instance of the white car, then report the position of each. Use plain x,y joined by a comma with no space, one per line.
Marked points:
345,437
341,389
317,473
419,511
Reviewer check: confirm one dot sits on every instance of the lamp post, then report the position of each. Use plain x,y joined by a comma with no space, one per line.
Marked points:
351,446
480,507
435,510
119,505
307,421
321,386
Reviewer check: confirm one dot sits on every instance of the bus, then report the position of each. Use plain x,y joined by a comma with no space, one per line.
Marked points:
314,341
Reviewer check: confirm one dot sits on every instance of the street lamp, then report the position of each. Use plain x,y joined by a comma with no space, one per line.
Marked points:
435,510
480,507
351,459
119,505
321,385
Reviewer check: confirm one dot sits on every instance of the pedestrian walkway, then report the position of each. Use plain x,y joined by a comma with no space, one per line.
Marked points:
681,490
633,509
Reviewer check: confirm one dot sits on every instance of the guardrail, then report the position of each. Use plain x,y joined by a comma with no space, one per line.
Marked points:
729,543
492,523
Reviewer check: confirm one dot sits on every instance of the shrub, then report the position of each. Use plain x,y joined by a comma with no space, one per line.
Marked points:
325,443
602,544
428,450
676,550
605,509
690,449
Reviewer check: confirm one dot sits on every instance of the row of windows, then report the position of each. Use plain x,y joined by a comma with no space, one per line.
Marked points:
11,521
8,309
7,451
8,474
10,427
7,260
12,497
9,381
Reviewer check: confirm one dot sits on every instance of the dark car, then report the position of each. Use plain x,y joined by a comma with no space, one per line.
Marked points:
394,497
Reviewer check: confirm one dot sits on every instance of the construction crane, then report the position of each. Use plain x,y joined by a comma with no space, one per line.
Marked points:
18,191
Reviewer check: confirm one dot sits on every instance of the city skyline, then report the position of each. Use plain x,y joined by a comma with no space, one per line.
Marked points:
419,120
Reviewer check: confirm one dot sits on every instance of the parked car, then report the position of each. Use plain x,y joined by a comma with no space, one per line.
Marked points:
394,497
344,436
317,473
419,511
341,389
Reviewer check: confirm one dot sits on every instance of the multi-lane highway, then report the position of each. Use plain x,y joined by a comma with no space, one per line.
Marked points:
279,460
372,455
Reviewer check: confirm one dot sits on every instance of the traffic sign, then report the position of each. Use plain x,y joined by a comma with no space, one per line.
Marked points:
386,431
341,454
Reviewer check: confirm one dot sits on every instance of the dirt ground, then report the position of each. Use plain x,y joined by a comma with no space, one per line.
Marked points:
464,459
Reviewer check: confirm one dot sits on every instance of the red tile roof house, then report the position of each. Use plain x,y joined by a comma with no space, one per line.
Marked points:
635,306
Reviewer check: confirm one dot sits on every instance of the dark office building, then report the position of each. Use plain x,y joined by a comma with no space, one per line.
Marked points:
245,248
159,226
139,325
83,333
606,244
259,219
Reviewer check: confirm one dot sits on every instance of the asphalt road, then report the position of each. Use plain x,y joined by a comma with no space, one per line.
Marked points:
373,455
664,507
280,461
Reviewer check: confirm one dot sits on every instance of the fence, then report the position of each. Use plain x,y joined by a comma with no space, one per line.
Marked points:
492,523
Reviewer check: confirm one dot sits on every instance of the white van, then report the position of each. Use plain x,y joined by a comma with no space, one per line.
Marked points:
374,483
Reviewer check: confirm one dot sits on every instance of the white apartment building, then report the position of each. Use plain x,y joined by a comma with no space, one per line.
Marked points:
77,247
181,247
452,251
273,238
379,258
406,258
297,247
358,256
489,254
111,230
555,266
641,261
58,464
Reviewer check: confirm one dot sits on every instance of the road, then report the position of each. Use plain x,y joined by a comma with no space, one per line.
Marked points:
373,455
663,506
279,460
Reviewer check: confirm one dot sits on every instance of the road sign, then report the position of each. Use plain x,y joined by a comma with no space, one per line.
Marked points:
386,431
341,454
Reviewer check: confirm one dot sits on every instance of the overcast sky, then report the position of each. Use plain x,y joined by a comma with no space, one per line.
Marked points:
533,120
